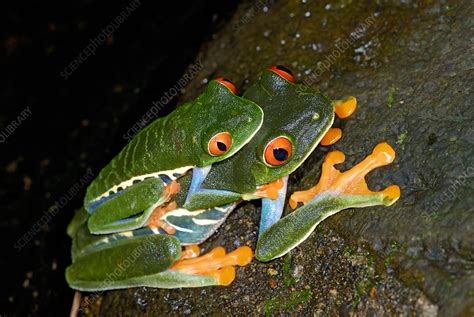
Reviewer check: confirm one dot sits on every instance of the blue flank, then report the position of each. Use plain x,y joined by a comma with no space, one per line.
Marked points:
92,206
272,209
199,174
200,232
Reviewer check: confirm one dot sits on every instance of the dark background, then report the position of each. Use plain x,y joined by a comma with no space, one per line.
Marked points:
76,123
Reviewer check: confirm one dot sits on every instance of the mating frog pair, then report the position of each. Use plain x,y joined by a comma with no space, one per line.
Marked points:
177,181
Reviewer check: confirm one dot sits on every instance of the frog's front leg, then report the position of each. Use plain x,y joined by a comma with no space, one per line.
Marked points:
129,209
202,198
334,192
272,207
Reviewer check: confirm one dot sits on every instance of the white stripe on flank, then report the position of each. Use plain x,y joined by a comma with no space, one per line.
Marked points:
127,234
205,222
181,212
129,182
180,229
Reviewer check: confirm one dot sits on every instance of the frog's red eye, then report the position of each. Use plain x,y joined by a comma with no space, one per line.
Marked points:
227,83
219,143
278,151
283,72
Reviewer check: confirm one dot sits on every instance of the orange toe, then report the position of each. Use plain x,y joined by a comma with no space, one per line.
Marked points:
332,136
224,276
344,108
392,194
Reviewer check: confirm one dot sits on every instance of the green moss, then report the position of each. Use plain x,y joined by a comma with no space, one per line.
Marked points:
390,96
348,251
362,287
401,139
288,278
388,261
287,302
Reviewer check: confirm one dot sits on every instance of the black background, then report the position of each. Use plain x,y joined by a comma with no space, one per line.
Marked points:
76,123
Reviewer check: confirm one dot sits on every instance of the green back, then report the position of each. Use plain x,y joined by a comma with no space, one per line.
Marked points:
181,138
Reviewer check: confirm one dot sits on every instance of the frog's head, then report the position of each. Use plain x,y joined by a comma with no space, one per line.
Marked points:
296,118
225,122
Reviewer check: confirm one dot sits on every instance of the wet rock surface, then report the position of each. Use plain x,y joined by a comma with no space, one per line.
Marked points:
410,67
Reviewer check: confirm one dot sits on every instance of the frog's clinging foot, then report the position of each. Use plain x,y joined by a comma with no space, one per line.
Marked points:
269,190
344,108
155,219
216,263
350,182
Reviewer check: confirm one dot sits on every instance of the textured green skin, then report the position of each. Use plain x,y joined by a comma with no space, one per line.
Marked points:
292,229
177,140
165,279
140,256
289,109
139,197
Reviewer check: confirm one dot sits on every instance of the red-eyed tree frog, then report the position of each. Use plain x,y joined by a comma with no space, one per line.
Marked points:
297,118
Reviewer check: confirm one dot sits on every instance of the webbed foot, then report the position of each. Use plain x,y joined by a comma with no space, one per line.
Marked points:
215,264
351,182
334,192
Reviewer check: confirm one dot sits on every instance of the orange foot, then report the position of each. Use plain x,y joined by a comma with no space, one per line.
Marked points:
155,219
215,263
351,182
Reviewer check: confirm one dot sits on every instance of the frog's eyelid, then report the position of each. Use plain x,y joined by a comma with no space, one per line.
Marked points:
227,83
283,72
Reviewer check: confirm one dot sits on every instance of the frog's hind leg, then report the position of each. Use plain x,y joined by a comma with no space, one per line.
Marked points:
215,268
343,109
334,192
